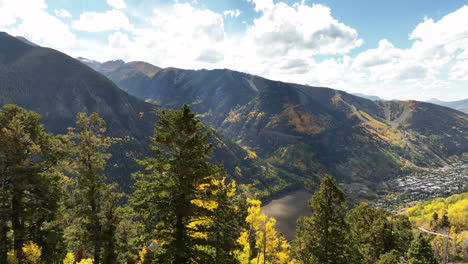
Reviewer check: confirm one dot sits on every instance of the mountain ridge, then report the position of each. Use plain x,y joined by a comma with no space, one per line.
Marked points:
58,86
311,130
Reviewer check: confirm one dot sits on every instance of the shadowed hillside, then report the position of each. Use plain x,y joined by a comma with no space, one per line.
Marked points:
58,86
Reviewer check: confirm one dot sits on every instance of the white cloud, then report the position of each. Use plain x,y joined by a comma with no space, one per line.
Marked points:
62,13
262,5
99,22
284,30
232,13
179,36
117,4
35,23
281,44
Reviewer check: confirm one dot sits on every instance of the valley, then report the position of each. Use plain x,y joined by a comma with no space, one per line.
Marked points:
233,132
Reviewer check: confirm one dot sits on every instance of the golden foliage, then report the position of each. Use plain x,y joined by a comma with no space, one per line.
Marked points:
456,206
233,117
213,187
304,121
271,246
86,261
251,155
11,257
69,258
141,255
382,130
32,253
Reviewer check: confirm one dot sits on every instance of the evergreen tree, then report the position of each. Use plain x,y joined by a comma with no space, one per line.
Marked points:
372,231
402,232
128,235
93,202
324,237
225,221
28,186
444,223
391,257
377,232
434,221
420,251
175,195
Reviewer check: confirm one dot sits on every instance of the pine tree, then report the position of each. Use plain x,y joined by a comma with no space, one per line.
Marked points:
372,231
174,194
324,237
28,186
391,257
402,232
434,221
224,222
93,202
377,232
420,251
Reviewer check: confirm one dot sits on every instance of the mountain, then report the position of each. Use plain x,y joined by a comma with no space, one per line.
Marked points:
312,131
461,105
27,41
58,86
370,97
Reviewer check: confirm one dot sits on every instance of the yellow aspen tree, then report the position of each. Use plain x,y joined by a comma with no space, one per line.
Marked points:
261,242
32,253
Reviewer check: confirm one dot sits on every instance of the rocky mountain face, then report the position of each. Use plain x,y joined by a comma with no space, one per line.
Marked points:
58,87
312,131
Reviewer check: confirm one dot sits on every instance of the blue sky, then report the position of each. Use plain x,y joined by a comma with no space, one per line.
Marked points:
394,49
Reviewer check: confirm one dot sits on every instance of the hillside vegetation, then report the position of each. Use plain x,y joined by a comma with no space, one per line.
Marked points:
58,87
447,216
310,131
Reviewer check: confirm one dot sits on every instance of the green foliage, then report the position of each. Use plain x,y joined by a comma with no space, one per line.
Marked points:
420,251
180,197
377,232
93,204
453,209
391,257
324,237
29,184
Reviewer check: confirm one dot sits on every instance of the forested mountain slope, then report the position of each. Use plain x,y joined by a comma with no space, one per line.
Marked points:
58,87
311,131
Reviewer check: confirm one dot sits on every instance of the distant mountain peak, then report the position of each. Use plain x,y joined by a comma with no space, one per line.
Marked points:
370,97
460,105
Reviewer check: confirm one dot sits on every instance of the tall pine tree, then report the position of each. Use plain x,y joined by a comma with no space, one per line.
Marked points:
181,198
324,237
28,185
377,232
420,251
93,202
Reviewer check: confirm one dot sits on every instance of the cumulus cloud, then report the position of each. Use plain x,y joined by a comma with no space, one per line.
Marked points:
62,13
117,4
210,56
99,22
35,23
180,35
311,30
283,42
262,5
232,13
